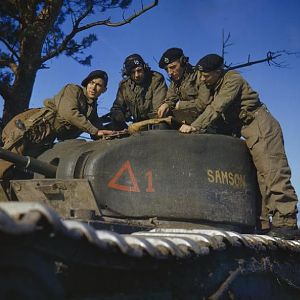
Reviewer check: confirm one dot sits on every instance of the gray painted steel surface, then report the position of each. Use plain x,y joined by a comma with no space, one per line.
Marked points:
165,174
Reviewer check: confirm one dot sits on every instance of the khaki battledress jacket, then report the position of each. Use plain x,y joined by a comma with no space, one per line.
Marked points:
75,112
136,101
65,116
189,93
235,101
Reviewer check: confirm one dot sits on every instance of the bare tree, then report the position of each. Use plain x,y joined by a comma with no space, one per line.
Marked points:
270,58
33,31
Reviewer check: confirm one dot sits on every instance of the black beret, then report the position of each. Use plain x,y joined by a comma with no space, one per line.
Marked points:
170,56
210,62
131,62
93,75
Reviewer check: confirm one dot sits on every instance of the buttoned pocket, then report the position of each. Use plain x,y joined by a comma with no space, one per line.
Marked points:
251,134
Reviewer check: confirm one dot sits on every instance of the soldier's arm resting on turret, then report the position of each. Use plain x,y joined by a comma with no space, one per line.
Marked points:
159,92
228,92
169,103
69,110
97,122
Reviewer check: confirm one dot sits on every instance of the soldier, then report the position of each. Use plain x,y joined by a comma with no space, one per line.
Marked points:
139,94
72,111
235,101
186,91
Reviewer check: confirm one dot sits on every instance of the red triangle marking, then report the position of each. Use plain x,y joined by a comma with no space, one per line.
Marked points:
113,182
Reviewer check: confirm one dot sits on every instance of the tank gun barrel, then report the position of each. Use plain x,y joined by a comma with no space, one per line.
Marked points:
29,163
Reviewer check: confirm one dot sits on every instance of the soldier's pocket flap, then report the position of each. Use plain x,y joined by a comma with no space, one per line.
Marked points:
251,141
251,134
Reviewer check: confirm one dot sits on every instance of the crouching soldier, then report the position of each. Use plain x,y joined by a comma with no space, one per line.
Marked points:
139,94
69,113
187,96
235,101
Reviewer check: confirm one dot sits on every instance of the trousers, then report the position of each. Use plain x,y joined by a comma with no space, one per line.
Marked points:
264,139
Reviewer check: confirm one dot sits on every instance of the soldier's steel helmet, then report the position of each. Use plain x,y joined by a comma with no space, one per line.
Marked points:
93,75
170,56
210,62
131,62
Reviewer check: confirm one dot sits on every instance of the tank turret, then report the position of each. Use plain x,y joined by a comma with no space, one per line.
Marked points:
157,176
164,176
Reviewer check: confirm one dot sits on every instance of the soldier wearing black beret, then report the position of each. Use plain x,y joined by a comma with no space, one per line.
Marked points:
234,101
210,62
170,56
186,91
66,115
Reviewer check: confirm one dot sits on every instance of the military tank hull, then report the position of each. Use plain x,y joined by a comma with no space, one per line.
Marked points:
43,257
156,215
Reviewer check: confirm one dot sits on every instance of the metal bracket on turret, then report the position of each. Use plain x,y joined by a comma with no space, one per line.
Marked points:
71,198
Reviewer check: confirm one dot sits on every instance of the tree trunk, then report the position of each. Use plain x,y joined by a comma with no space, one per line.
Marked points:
31,44
20,92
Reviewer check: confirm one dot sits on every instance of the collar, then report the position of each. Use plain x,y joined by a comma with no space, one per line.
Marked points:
218,84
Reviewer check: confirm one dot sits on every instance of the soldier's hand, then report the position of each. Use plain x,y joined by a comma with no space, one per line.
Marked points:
163,110
187,128
104,132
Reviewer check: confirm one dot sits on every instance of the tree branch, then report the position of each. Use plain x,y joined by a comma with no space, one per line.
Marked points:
10,6
10,48
69,37
84,15
76,29
225,42
4,90
271,56
125,21
10,64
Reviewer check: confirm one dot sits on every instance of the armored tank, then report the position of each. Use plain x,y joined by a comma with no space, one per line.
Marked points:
156,215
